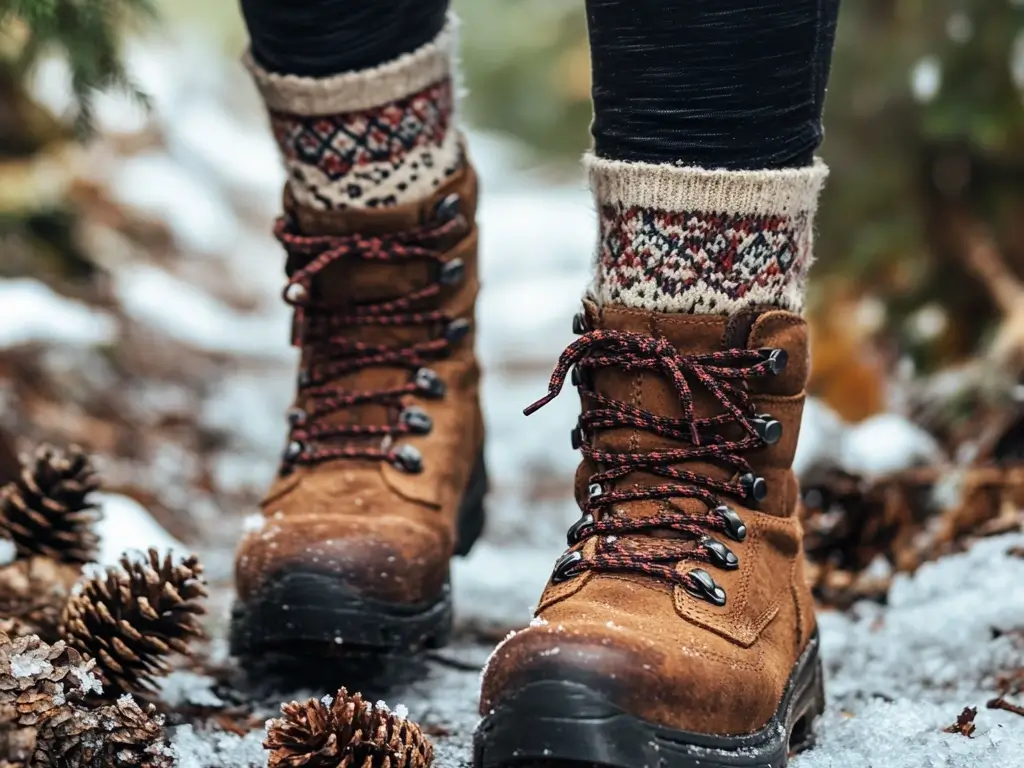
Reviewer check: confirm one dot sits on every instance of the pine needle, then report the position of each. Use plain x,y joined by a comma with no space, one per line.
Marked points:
85,34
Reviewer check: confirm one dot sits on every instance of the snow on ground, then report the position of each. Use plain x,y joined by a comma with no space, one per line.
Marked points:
7,551
126,526
896,674
34,314
217,750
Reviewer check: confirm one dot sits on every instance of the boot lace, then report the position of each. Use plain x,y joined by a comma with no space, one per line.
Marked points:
329,353
716,439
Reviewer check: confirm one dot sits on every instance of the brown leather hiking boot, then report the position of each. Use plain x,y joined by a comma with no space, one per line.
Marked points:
678,629
382,480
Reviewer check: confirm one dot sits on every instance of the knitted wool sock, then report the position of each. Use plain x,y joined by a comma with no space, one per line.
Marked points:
372,138
703,242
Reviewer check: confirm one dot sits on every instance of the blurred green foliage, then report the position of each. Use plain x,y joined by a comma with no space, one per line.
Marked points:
527,67
85,34
924,125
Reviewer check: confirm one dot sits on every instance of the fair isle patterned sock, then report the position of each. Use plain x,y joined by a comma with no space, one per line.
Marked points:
369,139
703,242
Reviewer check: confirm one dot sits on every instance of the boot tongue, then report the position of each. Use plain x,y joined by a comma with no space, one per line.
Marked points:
354,280
653,391
350,282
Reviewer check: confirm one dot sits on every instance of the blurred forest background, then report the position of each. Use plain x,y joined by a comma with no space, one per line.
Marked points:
921,230
918,290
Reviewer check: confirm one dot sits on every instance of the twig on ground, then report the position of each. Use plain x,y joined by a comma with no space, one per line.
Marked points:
1003,704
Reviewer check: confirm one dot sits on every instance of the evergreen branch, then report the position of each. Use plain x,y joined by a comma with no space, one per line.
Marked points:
87,34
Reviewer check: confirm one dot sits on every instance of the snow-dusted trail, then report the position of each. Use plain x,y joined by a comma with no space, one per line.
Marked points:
897,675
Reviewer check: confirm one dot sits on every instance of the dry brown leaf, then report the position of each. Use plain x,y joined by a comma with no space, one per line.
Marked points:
964,724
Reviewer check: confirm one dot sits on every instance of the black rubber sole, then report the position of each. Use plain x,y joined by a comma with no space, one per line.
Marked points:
316,614
560,721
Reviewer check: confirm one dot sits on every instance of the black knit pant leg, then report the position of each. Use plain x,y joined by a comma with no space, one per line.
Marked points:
735,84
317,38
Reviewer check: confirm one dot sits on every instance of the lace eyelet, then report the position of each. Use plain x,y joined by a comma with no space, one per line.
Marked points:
296,416
457,330
563,570
595,490
776,358
700,584
305,379
408,459
452,272
429,383
296,292
293,451
579,530
579,323
734,527
721,555
767,428
755,488
447,208
577,438
417,420
581,377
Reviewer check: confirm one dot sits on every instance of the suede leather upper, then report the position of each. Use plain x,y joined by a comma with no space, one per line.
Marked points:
654,649
388,534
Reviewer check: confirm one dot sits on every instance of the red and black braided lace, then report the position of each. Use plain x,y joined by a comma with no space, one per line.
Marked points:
323,330
715,439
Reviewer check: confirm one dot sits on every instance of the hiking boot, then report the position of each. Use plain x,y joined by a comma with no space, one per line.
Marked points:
382,479
678,629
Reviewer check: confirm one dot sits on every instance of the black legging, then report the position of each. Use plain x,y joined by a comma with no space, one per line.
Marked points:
713,83
325,37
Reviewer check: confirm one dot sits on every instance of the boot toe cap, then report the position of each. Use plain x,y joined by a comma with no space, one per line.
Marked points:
685,688
388,559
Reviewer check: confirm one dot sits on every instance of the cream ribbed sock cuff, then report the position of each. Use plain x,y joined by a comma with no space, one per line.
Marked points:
373,138
703,241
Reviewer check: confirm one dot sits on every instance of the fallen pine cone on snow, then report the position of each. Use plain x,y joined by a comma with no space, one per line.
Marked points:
132,617
851,522
345,732
119,735
47,510
33,592
39,687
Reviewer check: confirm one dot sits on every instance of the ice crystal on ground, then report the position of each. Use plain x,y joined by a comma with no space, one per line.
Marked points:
7,552
216,749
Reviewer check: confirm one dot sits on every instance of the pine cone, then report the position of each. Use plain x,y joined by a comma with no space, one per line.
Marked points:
9,464
47,510
132,618
39,684
33,592
120,735
345,733
14,628
18,744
